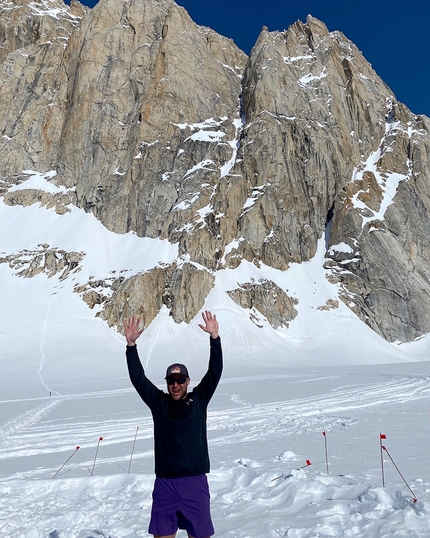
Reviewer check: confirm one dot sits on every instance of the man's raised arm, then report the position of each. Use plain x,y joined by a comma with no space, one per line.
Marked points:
133,328
210,380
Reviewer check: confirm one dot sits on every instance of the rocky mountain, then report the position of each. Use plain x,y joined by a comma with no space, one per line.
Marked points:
158,126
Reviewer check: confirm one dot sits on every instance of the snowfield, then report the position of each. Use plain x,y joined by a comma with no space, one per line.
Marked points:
262,429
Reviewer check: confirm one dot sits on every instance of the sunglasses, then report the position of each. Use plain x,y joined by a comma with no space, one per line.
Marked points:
178,380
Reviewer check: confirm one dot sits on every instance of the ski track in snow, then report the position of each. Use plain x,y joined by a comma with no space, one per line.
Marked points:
12,429
27,434
42,347
268,497
249,422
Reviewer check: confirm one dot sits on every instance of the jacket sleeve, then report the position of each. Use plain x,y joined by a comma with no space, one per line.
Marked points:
146,390
209,383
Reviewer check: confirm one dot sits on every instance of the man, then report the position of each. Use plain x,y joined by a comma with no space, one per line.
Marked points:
181,493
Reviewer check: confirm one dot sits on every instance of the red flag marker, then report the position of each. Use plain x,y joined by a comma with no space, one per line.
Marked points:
382,436
308,462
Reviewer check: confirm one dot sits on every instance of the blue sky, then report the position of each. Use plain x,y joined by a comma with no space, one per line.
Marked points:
393,35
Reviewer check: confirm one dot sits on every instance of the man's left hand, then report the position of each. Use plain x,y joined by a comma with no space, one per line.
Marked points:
211,324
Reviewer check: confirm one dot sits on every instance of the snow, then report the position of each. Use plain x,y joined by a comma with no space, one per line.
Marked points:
257,192
262,429
293,59
149,143
205,133
64,384
185,204
310,78
387,181
340,247
233,245
206,136
202,165
52,8
234,144
77,231
40,182
166,176
208,123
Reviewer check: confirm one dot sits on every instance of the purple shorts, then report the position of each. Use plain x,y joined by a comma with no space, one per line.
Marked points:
181,503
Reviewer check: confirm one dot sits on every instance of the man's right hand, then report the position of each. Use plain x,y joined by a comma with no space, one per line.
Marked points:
132,330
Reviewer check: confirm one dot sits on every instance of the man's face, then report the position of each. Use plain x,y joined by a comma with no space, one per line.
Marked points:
178,386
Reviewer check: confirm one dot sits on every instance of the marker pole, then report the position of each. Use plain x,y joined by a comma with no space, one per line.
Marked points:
326,451
402,477
308,462
95,457
132,450
382,436
68,459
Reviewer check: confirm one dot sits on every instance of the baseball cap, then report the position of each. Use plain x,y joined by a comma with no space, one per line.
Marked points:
176,369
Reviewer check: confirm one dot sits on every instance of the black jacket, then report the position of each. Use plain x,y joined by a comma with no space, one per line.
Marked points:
180,441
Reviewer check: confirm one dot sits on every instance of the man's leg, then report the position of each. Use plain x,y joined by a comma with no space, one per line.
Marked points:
163,523
194,514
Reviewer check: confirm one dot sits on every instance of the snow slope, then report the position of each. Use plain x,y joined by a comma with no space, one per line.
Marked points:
64,384
47,330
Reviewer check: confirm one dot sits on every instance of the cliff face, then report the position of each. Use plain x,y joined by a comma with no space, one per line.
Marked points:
331,151
158,126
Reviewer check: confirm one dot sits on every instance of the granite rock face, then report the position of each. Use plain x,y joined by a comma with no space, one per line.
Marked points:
164,128
379,240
